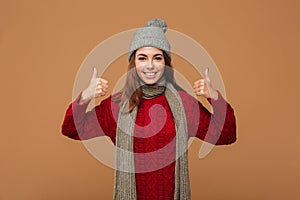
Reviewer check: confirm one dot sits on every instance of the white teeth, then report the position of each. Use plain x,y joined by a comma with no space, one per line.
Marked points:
150,73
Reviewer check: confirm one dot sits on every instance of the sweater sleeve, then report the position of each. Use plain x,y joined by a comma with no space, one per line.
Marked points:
218,128
80,124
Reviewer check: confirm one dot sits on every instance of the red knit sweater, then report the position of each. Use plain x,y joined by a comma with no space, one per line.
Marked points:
154,141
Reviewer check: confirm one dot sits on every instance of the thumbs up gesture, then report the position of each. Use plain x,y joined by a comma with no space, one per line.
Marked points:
97,87
204,88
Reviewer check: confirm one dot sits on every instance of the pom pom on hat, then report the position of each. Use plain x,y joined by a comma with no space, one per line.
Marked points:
157,23
151,35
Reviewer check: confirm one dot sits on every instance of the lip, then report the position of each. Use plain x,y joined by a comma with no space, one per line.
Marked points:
150,74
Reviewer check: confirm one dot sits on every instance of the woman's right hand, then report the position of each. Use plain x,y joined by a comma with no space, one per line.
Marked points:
97,87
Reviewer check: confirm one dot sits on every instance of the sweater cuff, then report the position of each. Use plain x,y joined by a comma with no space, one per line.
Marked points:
218,104
79,107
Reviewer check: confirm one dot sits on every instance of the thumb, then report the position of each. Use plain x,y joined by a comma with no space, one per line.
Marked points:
94,73
206,74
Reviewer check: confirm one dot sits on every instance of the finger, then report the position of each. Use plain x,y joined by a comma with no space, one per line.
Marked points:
198,91
206,74
94,73
195,86
198,83
103,81
101,93
105,88
202,82
201,91
104,85
99,87
98,91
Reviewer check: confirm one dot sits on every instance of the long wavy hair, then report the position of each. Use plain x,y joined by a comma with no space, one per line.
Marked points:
132,89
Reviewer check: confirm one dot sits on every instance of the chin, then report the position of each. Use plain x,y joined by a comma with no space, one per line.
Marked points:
150,82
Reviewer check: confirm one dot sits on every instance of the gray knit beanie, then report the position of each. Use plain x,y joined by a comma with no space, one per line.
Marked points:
151,35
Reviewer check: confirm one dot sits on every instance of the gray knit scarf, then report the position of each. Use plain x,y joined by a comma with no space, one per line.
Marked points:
125,185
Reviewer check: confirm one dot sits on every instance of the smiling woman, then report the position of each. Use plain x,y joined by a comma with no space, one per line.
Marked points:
150,64
155,119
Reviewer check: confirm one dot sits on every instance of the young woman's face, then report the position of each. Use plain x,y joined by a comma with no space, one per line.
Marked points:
150,64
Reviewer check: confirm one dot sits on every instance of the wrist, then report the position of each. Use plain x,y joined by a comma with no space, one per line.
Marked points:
84,97
215,95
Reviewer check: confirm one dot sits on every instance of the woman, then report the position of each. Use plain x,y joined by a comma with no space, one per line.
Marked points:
150,120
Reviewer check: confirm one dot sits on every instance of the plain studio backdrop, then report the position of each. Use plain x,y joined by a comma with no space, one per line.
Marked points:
255,45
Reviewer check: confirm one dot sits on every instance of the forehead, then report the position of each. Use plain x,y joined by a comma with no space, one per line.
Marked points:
148,51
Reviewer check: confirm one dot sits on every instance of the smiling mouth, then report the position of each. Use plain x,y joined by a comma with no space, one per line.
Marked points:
150,74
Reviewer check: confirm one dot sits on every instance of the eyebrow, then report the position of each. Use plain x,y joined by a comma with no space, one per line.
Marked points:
158,54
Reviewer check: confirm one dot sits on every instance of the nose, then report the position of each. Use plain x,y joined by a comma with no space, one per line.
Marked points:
150,64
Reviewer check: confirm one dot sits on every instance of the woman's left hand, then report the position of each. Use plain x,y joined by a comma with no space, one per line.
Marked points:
204,88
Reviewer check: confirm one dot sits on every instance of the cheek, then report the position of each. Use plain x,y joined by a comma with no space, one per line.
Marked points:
161,69
140,65
138,70
161,66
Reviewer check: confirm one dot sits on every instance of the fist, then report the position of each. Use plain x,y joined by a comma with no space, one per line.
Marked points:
204,88
97,87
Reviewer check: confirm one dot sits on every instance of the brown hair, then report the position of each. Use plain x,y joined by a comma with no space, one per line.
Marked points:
132,89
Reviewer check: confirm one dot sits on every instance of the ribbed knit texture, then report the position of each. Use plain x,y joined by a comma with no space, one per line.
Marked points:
125,186
155,131
152,91
152,35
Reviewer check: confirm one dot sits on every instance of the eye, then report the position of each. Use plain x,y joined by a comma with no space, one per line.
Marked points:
158,58
141,58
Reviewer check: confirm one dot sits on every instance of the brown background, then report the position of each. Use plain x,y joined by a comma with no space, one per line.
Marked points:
255,44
